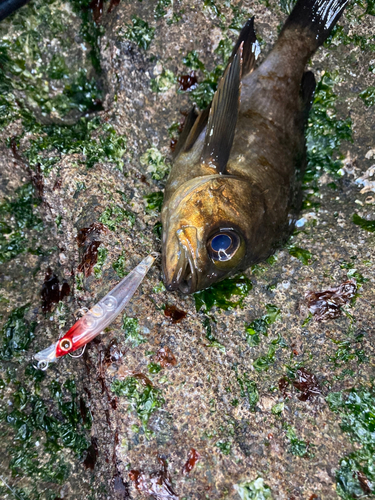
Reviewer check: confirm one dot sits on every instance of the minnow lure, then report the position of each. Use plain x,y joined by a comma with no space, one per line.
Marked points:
98,317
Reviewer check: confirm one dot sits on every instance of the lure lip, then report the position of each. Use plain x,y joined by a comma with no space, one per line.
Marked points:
47,355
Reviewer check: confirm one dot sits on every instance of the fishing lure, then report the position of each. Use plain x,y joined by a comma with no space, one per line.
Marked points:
98,317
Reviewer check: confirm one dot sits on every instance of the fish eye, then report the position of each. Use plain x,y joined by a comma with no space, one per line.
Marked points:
226,248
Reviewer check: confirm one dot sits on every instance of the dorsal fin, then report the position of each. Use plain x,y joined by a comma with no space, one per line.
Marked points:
251,48
188,125
223,117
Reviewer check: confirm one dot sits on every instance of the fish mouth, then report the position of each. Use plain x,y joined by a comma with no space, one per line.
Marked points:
185,276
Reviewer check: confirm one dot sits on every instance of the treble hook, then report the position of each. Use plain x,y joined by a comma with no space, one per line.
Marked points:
79,355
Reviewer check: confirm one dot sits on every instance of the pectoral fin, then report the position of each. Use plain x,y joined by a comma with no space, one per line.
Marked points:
223,117
188,125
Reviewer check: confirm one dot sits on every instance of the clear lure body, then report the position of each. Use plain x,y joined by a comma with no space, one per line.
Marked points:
98,317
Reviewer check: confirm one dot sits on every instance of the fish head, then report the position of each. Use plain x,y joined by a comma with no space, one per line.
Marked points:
209,223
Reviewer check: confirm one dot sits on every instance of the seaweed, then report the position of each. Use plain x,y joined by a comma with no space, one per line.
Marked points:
144,399
119,265
132,333
16,334
356,477
260,325
140,33
325,132
298,447
220,294
254,490
367,225
155,162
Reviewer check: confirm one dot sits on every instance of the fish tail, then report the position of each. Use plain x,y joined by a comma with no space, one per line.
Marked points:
314,19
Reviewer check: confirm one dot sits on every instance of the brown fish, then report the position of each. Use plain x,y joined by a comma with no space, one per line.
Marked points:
234,190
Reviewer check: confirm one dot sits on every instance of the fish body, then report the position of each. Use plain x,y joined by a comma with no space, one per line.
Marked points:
234,189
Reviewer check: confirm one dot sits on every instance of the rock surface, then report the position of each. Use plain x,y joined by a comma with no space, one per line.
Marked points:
236,401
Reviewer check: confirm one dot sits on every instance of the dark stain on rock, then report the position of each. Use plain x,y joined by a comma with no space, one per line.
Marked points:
58,183
327,305
193,458
157,484
165,358
92,454
121,488
173,144
307,383
97,10
83,410
283,384
88,239
364,482
89,259
174,313
88,232
51,292
112,5
187,82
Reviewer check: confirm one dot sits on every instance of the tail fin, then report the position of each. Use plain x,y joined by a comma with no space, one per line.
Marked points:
315,17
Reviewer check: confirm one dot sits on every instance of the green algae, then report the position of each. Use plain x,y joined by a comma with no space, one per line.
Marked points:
301,254
139,32
55,141
102,256
160,9
153,368
220,294
114,215
213,342
263,363
90,31
278,408
297,447
163,82
16,216
43,428
132,332
158,229
339,36
154,201
325,132
368,96
355,477
260,325
155,162
348,350
367,225
203,93
32,72
224,446
143,399
248,390
254,490
17,333
119,265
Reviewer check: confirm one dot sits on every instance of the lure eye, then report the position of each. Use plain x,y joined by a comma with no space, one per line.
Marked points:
226,248
65,344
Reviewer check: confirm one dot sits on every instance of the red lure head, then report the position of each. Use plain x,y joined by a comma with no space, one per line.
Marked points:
71,341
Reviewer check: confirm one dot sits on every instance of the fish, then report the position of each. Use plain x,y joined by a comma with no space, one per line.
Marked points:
97,318
234,190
